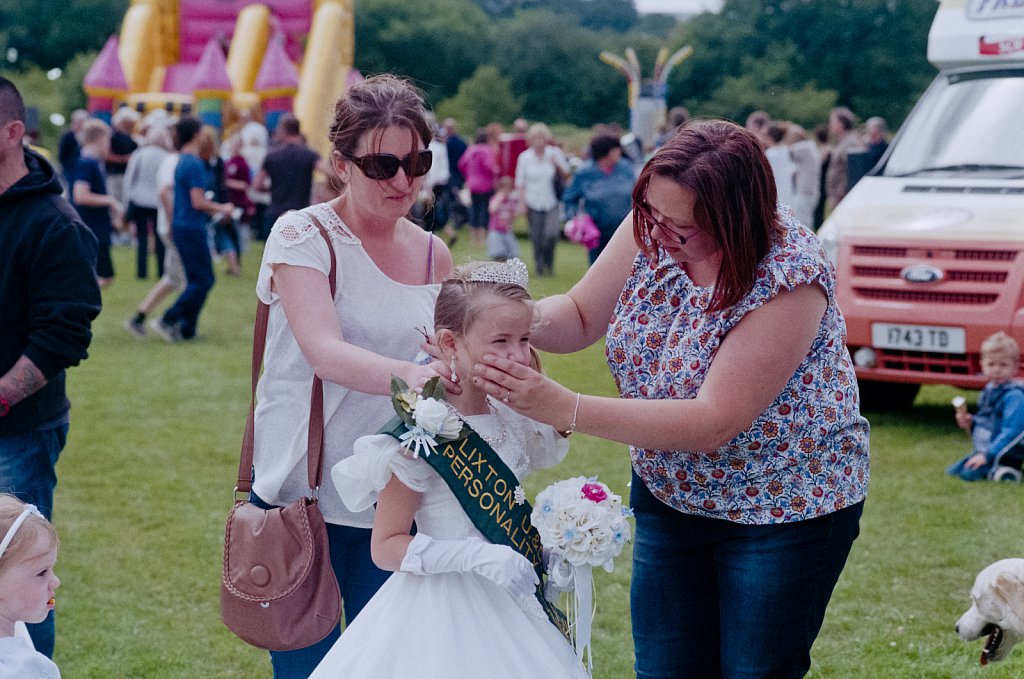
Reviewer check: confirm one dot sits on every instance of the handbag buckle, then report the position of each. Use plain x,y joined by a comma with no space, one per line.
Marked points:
235,498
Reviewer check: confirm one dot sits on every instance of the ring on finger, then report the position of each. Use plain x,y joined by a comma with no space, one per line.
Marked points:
507,393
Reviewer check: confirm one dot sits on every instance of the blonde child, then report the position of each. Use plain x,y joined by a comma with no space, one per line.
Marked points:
501,242
999,422
28,550
457,605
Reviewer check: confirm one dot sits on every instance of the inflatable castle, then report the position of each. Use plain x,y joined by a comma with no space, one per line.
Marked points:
218,58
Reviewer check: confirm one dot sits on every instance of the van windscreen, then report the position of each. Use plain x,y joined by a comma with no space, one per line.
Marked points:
965,124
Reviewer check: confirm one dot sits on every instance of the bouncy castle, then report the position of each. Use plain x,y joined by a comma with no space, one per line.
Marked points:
219,59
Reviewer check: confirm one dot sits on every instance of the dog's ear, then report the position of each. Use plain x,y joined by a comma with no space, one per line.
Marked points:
1009,588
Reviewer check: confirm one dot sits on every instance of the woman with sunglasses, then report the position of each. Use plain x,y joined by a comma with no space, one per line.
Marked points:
738,401
388,274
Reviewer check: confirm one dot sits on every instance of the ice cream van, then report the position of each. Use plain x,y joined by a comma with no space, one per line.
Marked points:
929,246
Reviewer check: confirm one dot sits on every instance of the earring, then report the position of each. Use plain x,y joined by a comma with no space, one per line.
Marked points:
455,376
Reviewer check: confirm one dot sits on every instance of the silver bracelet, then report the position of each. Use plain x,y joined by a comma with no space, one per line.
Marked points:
572,425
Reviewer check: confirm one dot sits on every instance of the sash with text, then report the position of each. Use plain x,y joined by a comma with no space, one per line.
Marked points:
485,487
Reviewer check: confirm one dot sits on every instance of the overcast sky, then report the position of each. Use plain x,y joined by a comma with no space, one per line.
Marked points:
677,6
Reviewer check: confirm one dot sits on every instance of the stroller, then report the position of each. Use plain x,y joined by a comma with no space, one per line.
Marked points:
1009,461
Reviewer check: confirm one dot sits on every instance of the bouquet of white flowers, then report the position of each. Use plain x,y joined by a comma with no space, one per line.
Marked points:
582,524
430,419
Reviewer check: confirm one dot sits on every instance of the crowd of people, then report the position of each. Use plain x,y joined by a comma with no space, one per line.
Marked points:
813,172
170,186
706,277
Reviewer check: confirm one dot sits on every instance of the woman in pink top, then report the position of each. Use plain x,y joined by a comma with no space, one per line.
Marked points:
479,165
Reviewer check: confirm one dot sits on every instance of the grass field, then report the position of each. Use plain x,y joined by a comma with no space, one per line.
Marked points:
146,479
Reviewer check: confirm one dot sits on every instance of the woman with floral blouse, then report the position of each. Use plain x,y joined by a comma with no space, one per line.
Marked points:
738,401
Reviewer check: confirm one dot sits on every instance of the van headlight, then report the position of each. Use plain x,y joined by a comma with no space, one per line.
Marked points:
828,234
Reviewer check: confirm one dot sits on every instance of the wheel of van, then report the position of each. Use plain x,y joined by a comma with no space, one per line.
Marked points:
885,396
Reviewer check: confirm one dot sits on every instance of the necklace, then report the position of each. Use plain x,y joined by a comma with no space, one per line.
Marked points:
501,435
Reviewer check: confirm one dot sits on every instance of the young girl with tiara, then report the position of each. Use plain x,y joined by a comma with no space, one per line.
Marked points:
458,604
28,550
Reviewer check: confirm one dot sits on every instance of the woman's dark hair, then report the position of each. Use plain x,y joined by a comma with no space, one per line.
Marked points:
377,103
603,144
725,168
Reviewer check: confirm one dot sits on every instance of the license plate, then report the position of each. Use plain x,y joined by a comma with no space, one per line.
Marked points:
932,338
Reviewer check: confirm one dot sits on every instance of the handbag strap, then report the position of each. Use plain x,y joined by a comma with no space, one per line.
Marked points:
315,439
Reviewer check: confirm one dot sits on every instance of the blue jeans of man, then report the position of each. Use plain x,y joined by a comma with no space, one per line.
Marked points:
28,471
194,248
358,578
712,598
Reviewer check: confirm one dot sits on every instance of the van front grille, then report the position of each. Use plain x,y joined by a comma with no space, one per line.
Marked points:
879,251
926,296
986,255
976,276
921,362
947,272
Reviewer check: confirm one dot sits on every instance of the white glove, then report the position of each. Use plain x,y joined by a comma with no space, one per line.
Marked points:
500,564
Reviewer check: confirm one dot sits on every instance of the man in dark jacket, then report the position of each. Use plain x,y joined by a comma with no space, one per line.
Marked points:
48,298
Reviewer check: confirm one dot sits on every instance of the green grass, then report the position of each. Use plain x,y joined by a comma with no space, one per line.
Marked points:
146,479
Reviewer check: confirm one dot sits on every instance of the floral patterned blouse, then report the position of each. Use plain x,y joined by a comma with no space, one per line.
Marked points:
806,455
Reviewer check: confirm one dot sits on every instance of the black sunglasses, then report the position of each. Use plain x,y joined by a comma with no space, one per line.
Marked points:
385,165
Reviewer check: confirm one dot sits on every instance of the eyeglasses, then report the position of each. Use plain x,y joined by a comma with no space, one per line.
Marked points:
650,222
385,165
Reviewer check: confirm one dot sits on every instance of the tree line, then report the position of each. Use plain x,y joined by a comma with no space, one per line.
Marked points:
483,60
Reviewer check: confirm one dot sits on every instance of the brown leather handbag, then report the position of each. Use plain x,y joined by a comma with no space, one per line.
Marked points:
278,590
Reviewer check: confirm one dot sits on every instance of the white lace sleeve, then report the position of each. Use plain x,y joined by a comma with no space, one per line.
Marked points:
296,241
360,478
544,447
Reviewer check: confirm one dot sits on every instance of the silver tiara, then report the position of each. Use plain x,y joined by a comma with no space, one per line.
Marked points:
510,272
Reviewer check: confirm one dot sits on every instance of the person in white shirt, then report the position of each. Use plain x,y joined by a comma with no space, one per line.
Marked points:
174,271
538,169
388,274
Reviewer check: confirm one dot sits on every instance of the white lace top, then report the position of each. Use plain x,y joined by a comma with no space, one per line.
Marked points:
376,313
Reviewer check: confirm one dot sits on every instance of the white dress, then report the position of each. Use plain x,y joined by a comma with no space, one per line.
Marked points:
18,660
450,624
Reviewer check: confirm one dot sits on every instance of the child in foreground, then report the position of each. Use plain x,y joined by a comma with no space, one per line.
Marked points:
28,550
999,422
457,605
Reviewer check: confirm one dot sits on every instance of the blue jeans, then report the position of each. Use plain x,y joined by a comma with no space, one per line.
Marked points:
27,470
977,474
358,578
194,247
713,598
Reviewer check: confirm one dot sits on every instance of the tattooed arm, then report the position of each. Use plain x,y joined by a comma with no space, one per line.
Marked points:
21,381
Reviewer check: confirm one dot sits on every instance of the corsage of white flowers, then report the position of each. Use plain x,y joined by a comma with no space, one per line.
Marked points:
429,418
582,524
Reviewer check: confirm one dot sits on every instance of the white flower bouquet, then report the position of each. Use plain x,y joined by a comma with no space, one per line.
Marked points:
429,418
582,524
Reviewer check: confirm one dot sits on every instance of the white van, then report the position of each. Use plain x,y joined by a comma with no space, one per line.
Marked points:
929,245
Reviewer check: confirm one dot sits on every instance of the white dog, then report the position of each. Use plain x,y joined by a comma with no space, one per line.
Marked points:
997,609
